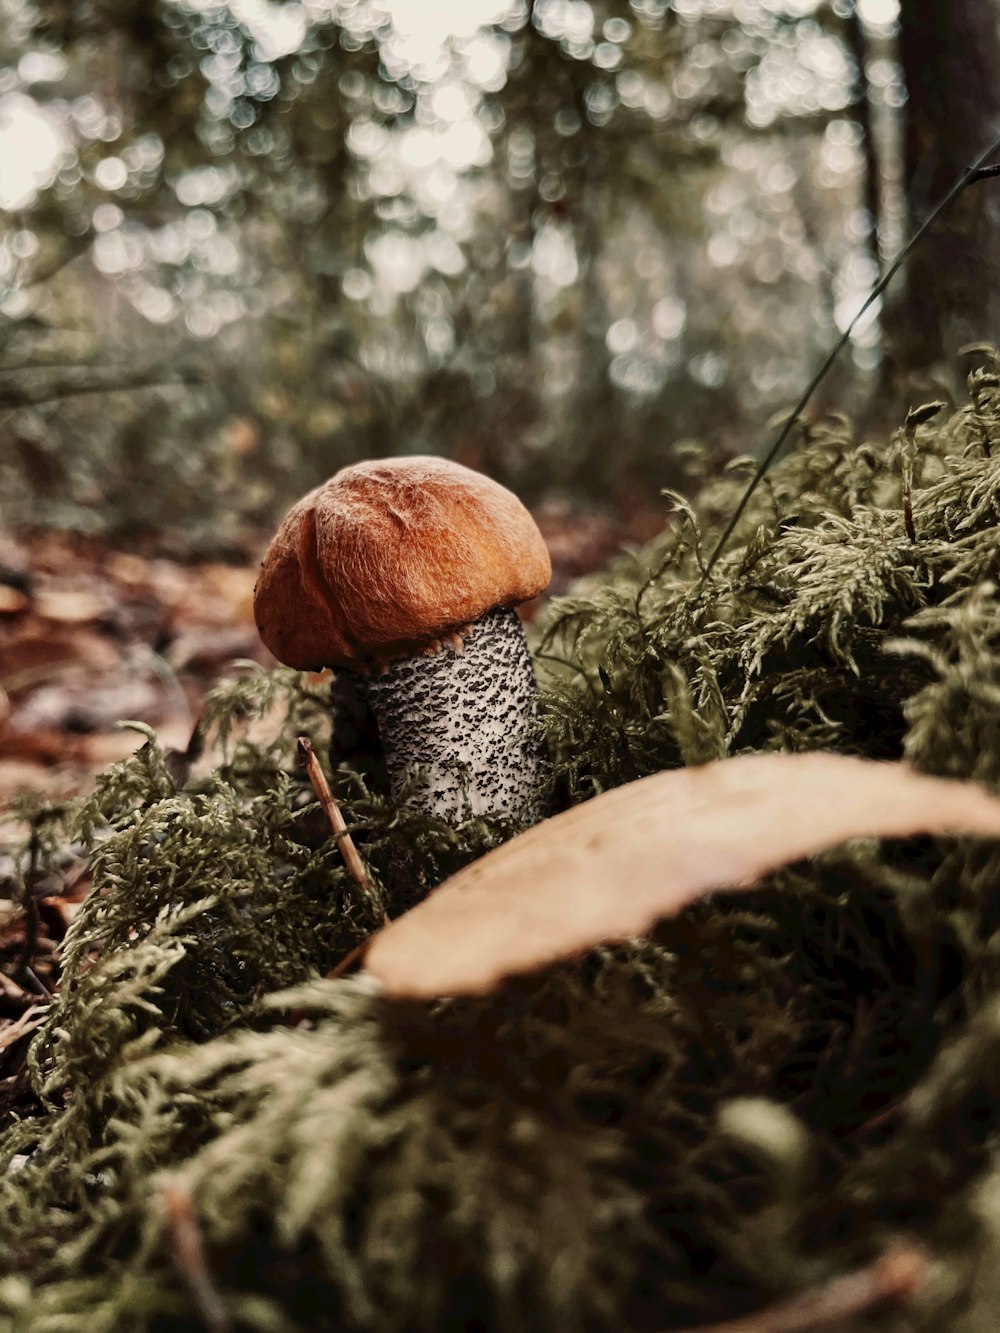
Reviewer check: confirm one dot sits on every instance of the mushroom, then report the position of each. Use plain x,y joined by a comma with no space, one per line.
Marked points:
406,571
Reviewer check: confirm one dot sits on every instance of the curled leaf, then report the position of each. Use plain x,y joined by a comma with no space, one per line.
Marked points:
608,869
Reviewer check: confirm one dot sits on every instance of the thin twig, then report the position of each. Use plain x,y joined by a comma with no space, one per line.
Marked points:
29,367
349,960
354,863
972,174
36,983
189,1258
13,399
897,1275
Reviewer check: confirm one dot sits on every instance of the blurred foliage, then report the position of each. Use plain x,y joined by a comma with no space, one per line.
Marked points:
549,241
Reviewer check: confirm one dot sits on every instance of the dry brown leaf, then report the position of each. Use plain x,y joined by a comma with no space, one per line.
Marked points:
209,650
12,601
18,776
37,645
128,569
74,606
89,635
218,595
608,869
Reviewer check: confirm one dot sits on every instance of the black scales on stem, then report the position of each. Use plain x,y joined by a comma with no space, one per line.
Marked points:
977,171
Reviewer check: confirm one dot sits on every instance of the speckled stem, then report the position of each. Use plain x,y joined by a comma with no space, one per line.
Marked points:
467,722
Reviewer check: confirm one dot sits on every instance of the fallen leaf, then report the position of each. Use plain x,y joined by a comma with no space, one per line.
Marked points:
37,645
81,707
12,601
128,569
74,606
216,595
19,776
608,869
207,651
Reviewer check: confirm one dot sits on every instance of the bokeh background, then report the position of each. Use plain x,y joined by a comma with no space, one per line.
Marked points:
245,243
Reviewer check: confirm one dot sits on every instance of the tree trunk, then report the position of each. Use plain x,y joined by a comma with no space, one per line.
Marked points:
950,55
872,189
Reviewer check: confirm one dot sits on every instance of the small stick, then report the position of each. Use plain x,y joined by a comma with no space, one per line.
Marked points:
349,960
897,1275
189,1258
354,863
37,984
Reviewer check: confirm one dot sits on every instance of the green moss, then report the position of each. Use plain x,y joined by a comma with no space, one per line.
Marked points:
577,1151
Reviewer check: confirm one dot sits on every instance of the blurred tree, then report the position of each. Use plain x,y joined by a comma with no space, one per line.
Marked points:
950,55
549,240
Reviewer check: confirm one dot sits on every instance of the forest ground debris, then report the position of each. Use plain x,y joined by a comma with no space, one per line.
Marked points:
557,1155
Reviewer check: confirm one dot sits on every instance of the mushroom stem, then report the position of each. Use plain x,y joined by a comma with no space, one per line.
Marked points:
465,722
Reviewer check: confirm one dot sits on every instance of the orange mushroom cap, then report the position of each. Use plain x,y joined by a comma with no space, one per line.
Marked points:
388,555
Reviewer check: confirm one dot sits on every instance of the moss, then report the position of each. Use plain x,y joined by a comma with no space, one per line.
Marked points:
759,1096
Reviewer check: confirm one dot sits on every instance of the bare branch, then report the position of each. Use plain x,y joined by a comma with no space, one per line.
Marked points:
13,398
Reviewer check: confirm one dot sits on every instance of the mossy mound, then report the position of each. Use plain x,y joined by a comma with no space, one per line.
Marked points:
767,1092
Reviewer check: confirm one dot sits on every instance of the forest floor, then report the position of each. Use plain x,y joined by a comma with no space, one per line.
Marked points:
91,635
